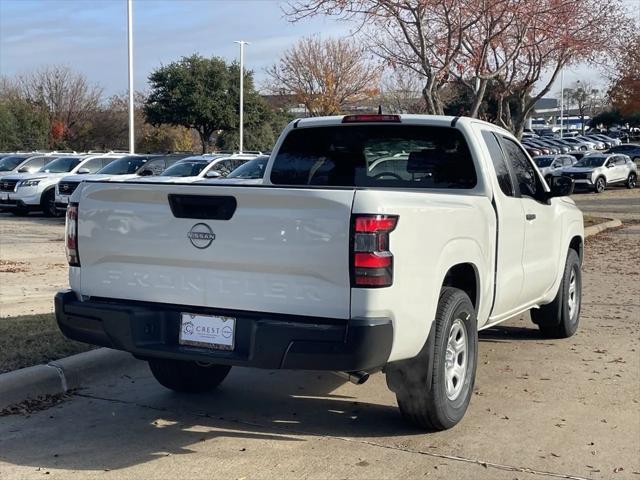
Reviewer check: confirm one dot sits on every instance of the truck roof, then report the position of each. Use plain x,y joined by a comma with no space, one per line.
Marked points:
411,119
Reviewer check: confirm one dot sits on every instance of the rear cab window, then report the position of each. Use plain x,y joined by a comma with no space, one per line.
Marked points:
393,156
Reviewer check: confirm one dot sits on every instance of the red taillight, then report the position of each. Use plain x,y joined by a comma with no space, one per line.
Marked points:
370,118
71,235
372,262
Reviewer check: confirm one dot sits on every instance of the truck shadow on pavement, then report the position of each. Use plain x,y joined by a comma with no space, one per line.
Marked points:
510,334
131,420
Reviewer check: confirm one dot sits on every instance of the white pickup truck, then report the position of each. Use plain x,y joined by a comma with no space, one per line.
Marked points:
375,242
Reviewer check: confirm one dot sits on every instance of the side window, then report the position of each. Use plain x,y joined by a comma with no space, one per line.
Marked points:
156,166
524,172
568,161
34,164
620,160
499,164
93,165
224,167
106,161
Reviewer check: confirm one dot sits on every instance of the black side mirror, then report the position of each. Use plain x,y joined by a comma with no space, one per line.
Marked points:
146,172
23,170
561,186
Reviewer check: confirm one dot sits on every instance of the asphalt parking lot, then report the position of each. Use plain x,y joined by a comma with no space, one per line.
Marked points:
542,408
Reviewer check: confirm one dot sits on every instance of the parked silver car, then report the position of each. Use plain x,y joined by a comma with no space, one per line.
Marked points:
599,170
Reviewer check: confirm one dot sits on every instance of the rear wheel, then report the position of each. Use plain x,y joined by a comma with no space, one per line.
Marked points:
434,388
600,185
48,204
632,179
187,377
560,318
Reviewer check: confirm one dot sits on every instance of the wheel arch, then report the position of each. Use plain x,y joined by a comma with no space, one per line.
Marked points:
465,277
577,243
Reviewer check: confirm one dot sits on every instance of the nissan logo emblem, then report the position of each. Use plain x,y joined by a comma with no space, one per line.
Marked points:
201,235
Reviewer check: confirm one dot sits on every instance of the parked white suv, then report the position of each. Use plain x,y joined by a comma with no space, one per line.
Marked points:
598,170
332,264
198,167
550,165
123,167
25,192
24,163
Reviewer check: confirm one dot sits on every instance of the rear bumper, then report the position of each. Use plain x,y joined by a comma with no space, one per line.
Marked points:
150,330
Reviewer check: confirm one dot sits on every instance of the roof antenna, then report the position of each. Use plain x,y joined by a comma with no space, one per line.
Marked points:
379,109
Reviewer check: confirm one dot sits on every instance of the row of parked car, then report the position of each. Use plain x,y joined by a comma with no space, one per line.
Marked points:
45,181
551,145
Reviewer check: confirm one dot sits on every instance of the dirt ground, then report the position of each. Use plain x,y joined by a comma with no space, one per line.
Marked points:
541,409
32,263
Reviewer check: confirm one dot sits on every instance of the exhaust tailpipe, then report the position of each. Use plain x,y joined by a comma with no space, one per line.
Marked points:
357,378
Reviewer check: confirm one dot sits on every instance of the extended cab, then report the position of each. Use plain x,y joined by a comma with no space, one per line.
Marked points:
375,242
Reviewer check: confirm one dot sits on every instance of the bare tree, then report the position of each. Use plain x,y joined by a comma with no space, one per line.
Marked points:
325,75
559,34
422,36
583,95
490,44
67,95
400,92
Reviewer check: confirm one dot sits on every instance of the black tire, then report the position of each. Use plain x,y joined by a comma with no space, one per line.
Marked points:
632,179
420,383
187,377
557,319
600,185
48,204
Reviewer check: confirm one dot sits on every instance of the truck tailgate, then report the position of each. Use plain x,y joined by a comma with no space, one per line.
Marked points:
283,250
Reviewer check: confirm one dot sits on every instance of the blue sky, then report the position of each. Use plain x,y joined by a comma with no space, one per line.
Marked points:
91,37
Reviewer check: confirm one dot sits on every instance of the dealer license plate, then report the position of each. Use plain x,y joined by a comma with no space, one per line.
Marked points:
207,331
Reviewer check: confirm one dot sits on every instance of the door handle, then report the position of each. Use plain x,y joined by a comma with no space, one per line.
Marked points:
531,216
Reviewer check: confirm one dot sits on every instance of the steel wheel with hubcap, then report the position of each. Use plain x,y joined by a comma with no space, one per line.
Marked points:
434,388
560,318
455,363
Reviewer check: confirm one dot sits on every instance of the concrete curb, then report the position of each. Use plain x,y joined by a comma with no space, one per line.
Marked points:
601,227
62,375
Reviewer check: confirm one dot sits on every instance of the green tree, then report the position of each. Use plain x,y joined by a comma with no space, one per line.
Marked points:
201,93
23,125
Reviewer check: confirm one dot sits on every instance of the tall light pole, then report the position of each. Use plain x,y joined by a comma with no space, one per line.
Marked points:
132,145
562,102
242,43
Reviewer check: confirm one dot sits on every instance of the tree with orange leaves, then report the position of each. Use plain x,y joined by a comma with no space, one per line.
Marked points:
624,91
325,75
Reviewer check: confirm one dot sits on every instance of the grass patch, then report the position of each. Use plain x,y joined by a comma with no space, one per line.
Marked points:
33,339
590,221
